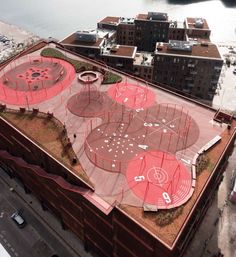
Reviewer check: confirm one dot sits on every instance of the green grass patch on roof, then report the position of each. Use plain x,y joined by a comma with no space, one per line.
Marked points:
109,77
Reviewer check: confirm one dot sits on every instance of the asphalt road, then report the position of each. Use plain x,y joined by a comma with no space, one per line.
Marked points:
34,240
16,241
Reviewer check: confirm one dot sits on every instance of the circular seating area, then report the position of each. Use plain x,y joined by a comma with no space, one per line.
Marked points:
88,77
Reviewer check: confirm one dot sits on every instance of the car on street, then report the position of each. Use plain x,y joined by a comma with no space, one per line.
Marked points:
18,219
234,71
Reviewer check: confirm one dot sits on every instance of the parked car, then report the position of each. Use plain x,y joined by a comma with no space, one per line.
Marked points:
18,219
234,71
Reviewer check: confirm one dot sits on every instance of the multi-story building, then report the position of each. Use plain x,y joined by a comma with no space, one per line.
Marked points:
119,56
149,29
126,32
109,22
197,28
177,31
143,65
114,206
192,67
189,68
88,43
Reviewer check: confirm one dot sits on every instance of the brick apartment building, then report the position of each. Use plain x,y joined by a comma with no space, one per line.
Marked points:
90,47
187,68
119,56
177,31
194,73
149,29
109,23
197,29
126,32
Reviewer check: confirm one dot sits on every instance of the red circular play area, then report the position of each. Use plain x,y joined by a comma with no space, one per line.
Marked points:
124,135
132,96
86,104
111,145
33,80
159,179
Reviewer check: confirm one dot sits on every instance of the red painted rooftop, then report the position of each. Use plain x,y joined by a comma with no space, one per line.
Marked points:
112,186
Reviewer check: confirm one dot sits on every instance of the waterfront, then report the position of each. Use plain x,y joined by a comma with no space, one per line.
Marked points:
58,18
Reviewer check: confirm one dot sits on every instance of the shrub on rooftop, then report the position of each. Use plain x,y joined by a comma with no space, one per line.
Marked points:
166,217
109,77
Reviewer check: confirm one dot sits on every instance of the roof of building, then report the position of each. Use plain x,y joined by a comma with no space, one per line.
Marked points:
71,40
111,20
125,20
142,16
191,23
202,115
120,50
205,50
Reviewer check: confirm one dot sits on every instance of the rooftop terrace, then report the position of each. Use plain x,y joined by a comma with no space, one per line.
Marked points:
131,96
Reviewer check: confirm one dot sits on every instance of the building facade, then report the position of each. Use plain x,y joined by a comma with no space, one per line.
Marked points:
86,47
126,32
197,28
149,29
177,31
143,66
187,68
119,56
194,73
